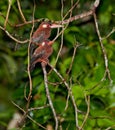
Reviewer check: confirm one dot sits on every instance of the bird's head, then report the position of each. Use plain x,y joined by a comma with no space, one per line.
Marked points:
43,32
49,25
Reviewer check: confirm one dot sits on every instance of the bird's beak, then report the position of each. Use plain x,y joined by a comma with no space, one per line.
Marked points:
56,25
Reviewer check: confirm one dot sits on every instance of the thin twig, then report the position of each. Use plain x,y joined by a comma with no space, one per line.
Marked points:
70,93
107,71
29,22
8,11
25,92
38,124
73,57
70,10
20,10
55,84
111,127
88,109
28,71
96,85
80,16
67,102
112,31
76,17
5,18
61,35
13,38
48,96
38,108
28,68
63,29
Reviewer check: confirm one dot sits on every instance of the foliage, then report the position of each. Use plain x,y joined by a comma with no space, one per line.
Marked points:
85,77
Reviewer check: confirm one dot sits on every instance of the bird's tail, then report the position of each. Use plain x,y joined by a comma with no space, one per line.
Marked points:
32,48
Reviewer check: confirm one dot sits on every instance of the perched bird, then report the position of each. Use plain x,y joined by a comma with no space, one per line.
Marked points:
41,34
41,53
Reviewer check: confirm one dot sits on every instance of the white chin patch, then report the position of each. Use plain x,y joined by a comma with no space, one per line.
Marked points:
44,26
43,43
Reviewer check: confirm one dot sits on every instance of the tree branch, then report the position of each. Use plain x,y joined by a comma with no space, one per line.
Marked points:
13,38
48,95
87,98
22,121
20,10
107,71
70,93
8,11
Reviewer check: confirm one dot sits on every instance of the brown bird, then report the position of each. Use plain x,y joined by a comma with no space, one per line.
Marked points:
41,34
41,54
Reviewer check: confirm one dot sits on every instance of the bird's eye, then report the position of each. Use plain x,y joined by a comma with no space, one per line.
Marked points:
44,25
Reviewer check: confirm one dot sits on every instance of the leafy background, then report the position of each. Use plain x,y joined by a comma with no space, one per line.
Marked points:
87,70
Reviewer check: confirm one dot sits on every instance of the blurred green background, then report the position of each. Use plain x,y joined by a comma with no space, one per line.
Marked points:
87,70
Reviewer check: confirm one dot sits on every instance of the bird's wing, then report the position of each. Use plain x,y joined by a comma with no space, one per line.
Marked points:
37,38
36,56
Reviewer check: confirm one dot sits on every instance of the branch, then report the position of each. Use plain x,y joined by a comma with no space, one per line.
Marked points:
20,10
8,11
71,9
29,22
71,19
80,16
38,108
13,38
112,31
28,71
28,68
63,29
73,57
88,109
70,93
107,71
5,18
22,120
48,95
76,17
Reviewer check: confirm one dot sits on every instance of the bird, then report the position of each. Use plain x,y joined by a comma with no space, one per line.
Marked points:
41,54
41,34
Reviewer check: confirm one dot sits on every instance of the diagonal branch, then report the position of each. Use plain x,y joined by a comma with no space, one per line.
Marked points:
73,57
71,19
107,71
48,95
22,120
112,31
80,16
87,98
13,38
8,11
70,93
20,10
